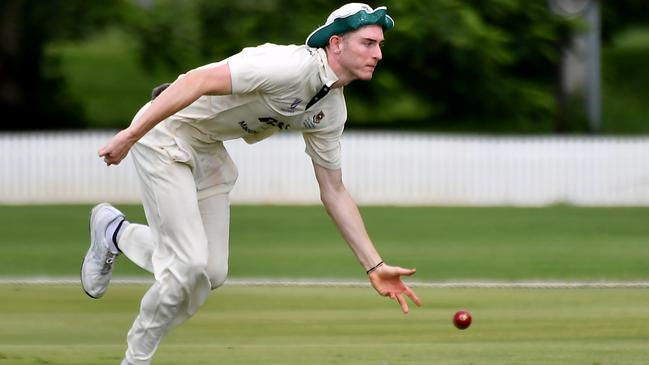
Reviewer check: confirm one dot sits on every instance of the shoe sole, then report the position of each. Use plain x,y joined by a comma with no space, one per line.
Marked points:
92,241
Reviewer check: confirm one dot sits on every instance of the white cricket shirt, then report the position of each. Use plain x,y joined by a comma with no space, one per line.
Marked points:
271,87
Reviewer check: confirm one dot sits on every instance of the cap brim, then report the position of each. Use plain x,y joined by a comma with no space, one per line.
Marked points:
320,37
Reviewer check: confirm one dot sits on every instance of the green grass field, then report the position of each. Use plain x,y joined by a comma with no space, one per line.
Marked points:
301,242
290,326
58,324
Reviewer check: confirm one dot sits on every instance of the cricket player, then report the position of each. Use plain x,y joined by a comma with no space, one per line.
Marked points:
186,173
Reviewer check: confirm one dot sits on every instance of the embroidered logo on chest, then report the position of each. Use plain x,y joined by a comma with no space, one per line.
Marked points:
291,108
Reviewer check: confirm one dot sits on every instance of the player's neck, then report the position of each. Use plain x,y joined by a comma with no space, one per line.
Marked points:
344,77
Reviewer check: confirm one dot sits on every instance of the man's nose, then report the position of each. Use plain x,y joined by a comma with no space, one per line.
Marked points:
378,54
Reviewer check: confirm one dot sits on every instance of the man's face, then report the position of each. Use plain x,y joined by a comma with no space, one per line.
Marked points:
361,51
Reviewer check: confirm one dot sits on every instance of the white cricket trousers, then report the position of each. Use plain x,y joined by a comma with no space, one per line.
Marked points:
185,245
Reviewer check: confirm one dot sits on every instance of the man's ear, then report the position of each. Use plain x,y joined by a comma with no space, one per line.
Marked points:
336,43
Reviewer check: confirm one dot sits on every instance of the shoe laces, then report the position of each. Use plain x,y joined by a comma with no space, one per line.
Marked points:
109,259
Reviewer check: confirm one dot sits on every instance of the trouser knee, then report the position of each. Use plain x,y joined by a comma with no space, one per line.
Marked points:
193,286
190,275
217,276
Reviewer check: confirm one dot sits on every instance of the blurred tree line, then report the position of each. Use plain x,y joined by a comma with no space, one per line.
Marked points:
447,61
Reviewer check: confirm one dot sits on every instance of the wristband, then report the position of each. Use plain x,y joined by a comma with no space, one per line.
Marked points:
374,268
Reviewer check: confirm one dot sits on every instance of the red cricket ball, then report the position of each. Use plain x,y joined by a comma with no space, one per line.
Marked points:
462,320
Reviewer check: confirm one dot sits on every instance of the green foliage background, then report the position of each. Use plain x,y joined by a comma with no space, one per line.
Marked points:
449,65
445,60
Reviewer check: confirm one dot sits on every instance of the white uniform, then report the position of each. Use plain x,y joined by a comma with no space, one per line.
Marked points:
186,175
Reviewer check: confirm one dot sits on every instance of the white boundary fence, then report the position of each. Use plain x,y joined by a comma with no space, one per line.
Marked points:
379,168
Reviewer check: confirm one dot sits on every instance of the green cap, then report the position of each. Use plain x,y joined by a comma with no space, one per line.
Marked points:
347,18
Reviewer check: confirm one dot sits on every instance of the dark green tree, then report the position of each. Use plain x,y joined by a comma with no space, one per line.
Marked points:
448,64
620,14
31,87
445,60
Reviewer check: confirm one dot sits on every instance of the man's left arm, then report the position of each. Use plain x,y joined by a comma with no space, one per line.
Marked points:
343,211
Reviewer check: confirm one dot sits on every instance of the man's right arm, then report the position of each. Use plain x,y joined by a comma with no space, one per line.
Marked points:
343,211
215,80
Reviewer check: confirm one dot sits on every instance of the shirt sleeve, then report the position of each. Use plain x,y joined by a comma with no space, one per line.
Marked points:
267,68
324,148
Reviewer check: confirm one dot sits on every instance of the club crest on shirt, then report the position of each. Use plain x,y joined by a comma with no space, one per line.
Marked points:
314,121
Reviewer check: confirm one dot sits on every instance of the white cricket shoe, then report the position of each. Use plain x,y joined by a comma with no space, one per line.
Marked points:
97,266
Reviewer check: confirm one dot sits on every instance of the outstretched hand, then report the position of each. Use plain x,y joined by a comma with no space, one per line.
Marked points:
387,282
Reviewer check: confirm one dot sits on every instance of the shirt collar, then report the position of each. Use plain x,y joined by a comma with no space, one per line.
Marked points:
327,75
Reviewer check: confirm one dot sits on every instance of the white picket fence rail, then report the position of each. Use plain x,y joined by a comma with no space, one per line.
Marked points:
378,168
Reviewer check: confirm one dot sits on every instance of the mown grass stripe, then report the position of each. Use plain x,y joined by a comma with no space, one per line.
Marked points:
357,283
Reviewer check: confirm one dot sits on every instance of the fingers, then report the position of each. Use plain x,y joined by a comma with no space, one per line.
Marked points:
405,272
103,153
400,271
106,155
110,155
389,285
109,159
413,296
403,303
116,149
